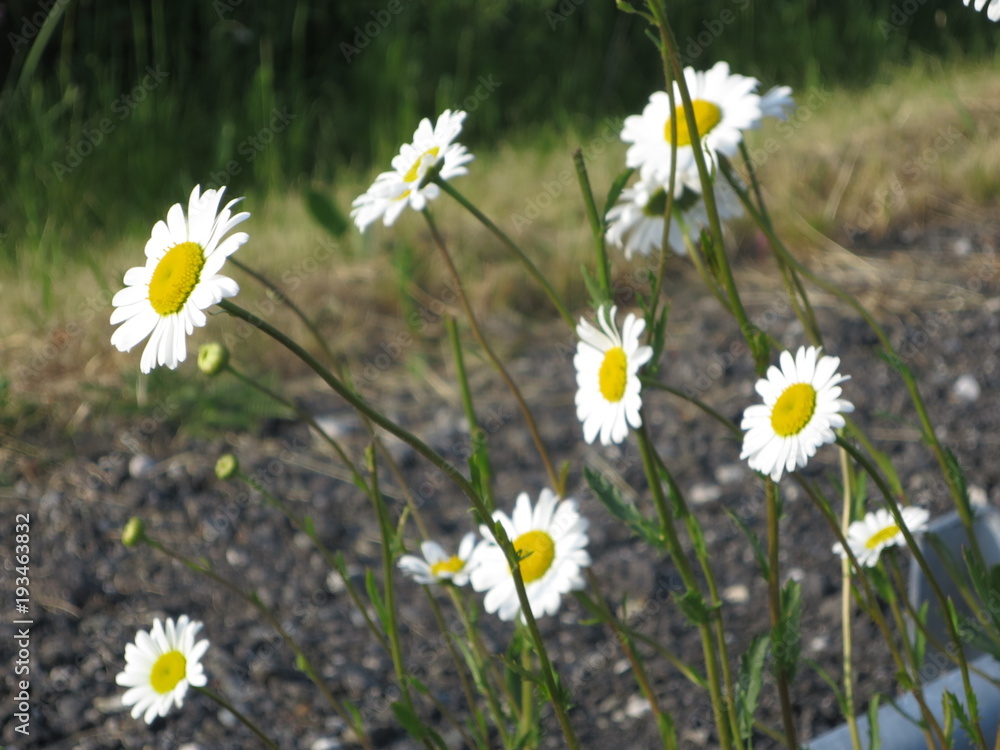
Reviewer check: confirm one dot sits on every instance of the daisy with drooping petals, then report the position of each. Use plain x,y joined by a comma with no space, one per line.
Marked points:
992,8
550,541
777,103
403,186
724,104
164,299
868,536
607,366
635,223
801,409
160,666
437,566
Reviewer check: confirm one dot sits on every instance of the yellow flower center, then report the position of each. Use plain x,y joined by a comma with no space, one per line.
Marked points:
415,171
613,374
540,551
793,409
168,670
882,536
452,565
706,114
175,277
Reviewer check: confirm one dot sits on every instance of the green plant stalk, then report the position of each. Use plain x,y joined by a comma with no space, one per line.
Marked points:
596,223
277,503
239,715
476,433
472,633
806,314
527,696
492,356
963,665
911,386
284,299
431,455
460,667
638,670
685,669
671,60
668,211
694,255
845,605
870,604
774,597
510,245
725,421
273,621
690,582
389,591
713,592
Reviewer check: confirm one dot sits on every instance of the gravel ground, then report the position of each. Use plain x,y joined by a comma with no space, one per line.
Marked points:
937,296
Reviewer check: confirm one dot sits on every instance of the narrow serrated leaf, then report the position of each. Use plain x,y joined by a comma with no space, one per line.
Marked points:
616,189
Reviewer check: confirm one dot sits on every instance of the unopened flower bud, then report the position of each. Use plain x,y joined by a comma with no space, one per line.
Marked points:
212,358
134,532
227,466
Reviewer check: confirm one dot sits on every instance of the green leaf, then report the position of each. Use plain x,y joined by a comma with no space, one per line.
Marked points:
409,720
758,548
376,598
612,498
786,635
667,731
957,477
874,740
920,637
616,190
594,289
326,213
832,683
949,716
693,605
750,680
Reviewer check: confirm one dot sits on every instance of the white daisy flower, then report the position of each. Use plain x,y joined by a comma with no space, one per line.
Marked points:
724,105
878,530
432,148
777,103
607,365
164,299
635,223
437,566
550,540
160,665
801,409
992,8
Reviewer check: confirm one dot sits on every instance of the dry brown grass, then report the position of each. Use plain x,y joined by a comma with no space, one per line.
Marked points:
919,150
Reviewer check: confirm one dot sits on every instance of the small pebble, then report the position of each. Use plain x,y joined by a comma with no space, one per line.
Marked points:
961,246
140,466
966,389
978,497
326,743
736,594
636,706
730,473
704,493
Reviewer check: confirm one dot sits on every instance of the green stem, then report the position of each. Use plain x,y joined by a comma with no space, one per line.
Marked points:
845,606
283,298
268,742
273,621
774,598
492,356
690,582
928,575
596,224
512,246
451,472
477,434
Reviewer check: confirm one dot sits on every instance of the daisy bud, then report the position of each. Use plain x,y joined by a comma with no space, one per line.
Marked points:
227,466
134,532
212,358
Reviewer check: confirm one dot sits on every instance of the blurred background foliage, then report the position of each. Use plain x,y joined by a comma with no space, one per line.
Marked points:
111,111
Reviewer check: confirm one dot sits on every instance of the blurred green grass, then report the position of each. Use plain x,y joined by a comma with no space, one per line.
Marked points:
106,117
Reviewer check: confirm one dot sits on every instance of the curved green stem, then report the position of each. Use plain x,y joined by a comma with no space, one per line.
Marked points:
774,599
268,742
510,245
